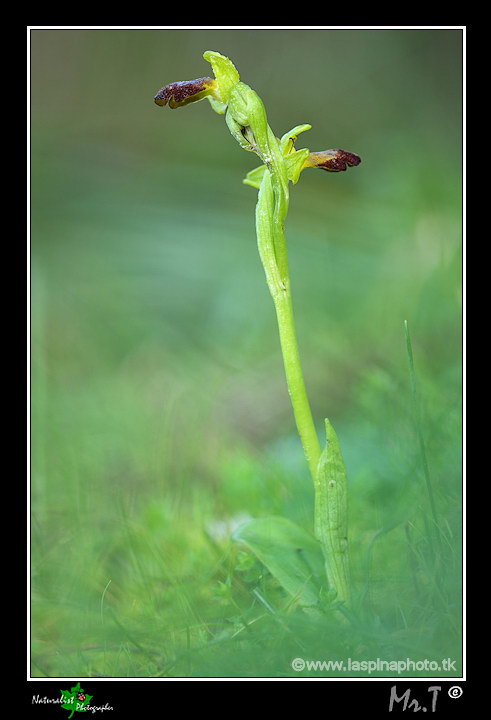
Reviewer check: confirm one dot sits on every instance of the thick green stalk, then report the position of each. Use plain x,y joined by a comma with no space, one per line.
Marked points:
280,289
326,468
295,380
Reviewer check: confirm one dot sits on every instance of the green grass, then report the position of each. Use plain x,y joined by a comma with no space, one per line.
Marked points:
161,418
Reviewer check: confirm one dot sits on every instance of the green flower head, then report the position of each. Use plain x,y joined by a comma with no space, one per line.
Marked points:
247,122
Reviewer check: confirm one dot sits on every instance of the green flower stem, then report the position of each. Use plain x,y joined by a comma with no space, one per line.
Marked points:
280,289
295,380
327,469
246,119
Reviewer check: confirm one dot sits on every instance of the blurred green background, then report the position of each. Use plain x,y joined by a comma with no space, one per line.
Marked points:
160,416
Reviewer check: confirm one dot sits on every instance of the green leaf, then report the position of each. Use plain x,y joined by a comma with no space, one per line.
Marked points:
331,514
291,554
294,164
72,702
254,177
288,139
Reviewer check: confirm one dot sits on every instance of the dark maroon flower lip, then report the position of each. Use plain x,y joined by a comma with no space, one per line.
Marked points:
183,92
333,160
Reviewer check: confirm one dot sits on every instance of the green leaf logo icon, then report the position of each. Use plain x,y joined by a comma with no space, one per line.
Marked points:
75,700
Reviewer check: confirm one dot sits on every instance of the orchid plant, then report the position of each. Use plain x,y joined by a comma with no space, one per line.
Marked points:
313,569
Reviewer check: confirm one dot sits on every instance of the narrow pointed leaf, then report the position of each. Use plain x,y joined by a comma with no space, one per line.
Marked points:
288,139
331,514
255,177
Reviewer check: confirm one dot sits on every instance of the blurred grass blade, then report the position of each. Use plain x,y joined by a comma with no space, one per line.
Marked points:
419,432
